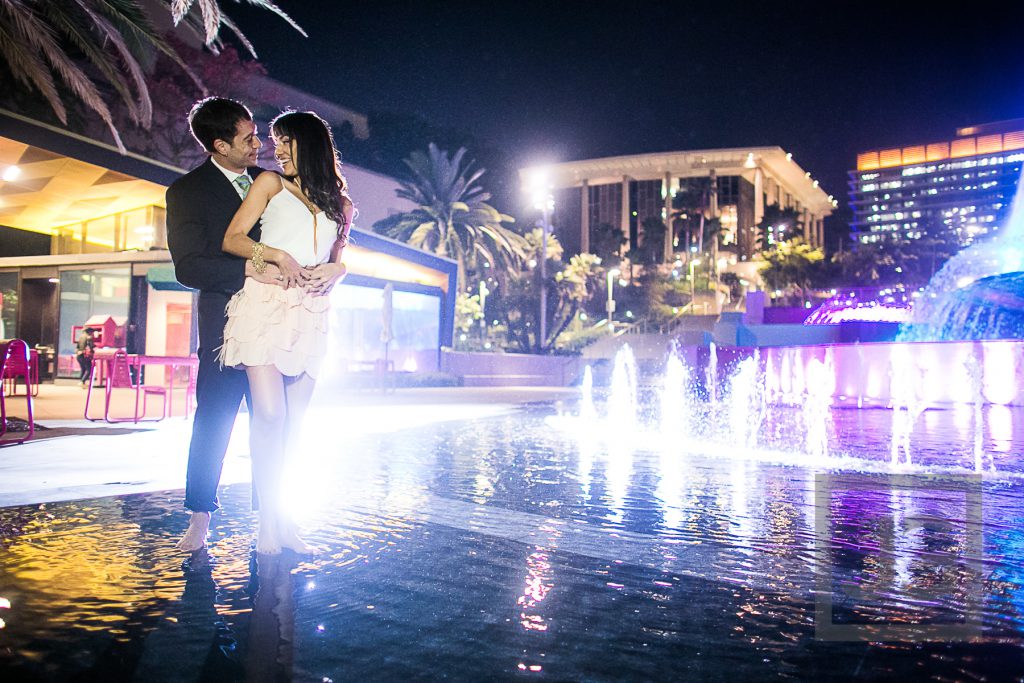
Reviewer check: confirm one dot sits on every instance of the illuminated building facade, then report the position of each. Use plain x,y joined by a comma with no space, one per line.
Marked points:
961,189
736,185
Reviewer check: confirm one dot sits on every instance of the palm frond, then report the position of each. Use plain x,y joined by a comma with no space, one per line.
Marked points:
179,8
145,104
270,6
27,67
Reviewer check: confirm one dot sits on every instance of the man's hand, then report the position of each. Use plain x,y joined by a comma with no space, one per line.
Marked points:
270,276
321,279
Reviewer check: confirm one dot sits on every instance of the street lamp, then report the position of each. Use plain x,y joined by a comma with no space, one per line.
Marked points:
540,189
612,274
483,310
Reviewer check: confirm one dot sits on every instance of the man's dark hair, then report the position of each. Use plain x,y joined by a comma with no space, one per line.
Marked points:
216,118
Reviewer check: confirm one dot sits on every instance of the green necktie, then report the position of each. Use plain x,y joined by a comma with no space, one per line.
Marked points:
244,183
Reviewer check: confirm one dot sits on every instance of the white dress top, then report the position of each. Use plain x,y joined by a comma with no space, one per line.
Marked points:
288,225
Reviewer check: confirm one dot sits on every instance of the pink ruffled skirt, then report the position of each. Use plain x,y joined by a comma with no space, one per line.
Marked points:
270,325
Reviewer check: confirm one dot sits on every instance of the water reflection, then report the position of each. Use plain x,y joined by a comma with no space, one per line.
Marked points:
479,550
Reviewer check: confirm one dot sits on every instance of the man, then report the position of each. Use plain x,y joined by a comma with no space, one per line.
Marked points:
86,349
200,206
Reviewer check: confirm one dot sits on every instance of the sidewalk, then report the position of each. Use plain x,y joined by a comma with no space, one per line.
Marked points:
73,458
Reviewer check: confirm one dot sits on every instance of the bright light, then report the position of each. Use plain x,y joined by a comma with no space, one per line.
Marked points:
749,163
539,188
11,173
410,365
695,262
629,314
614,272
532,263
623,282
964,281
145,230
583,316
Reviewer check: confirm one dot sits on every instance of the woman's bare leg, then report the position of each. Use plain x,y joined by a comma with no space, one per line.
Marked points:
266,447
298,391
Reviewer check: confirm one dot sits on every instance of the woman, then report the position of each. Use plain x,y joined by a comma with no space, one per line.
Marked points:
279,334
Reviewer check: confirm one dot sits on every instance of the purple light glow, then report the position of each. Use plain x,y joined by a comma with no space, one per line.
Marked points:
863,305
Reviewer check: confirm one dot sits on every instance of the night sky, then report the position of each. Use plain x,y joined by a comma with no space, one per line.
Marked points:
560,81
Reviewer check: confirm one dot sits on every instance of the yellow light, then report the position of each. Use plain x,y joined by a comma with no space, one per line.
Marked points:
11,173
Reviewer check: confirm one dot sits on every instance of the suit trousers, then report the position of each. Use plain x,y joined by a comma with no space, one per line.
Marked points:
219,392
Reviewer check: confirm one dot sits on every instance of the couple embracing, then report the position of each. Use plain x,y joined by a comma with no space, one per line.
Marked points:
263,295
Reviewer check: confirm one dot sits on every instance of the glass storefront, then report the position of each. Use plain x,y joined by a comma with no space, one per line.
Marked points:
84,294
8,305
357,329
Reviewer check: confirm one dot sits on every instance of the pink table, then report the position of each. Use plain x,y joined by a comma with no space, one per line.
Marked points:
100,370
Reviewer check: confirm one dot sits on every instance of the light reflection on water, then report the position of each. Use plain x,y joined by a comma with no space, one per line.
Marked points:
502,547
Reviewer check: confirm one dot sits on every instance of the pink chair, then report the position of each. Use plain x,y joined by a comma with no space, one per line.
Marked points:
120,377
190,391
28,369
14,362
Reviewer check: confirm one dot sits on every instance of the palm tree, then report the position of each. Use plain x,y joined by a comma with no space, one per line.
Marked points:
452,217
41,40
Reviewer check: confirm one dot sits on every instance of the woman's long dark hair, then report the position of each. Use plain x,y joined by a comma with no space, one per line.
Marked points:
318,164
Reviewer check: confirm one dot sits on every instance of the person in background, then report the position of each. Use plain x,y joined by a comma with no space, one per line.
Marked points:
85,349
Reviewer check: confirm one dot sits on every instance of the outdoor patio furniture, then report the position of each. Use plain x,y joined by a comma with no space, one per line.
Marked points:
119,376
14,362
25,369
190,390
130,366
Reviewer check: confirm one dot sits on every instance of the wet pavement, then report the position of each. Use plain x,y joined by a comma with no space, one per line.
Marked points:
501,546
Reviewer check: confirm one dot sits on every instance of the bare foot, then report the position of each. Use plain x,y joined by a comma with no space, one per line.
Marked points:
291,540
195,538
267,540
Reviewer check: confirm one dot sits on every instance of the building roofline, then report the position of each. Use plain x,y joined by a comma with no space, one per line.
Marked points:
688,163
62,141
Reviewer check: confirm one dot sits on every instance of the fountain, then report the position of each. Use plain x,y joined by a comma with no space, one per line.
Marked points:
778,406
977,294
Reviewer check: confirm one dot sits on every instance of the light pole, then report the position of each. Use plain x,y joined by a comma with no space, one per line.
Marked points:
610,306
545,201
483,310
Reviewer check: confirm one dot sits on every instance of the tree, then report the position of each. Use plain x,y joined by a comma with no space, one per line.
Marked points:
41,40
793,264
779,224
606,242
453,218
570,286
651,250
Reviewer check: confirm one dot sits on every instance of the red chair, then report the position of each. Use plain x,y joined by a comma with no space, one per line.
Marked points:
120,377
14,362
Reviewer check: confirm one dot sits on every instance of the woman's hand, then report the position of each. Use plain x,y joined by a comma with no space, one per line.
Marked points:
291,273
320,280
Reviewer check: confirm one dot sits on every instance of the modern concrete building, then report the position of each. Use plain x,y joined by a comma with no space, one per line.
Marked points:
625,191
963,186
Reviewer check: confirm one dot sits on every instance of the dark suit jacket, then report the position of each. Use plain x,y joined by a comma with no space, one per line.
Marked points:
200,205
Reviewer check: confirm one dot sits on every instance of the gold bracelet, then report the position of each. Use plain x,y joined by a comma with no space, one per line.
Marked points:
258,264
